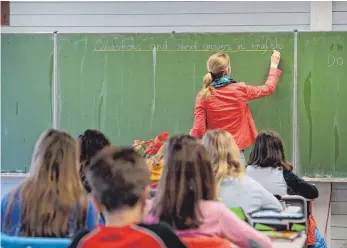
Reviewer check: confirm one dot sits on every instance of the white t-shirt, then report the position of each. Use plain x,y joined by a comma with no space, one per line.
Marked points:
248,194
272,179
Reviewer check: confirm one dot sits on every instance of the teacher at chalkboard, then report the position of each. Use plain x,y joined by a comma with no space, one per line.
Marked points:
223,103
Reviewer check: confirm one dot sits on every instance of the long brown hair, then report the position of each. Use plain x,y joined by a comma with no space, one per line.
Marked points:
53,191
217,65
186,180
268,151
224,153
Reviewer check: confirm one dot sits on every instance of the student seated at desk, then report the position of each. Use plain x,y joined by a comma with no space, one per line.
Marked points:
90,143
235,188
51,202
119,179
186,198
268,165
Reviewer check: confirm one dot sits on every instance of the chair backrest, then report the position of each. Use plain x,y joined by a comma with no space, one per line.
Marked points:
24,242
239,212
208,242
293,218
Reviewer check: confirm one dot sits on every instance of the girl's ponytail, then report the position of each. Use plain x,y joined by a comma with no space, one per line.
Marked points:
207,89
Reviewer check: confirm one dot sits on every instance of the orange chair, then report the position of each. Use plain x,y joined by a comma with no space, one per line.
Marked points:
200,242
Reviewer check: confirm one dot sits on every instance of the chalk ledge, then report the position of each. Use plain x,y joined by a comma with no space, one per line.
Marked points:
325,179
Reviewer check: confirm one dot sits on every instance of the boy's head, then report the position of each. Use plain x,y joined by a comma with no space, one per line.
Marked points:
119,178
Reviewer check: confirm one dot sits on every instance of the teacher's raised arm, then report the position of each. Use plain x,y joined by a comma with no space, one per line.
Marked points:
223,103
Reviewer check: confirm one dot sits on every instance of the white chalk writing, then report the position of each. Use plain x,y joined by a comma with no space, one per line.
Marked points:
261,44
187,47
334,61
108,46
105,44
226,47
158,47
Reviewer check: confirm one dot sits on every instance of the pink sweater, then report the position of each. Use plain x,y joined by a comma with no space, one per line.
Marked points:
221,222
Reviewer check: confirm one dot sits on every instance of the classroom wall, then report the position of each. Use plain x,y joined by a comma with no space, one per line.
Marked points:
156,17
330,211
339,16
339,215
131,17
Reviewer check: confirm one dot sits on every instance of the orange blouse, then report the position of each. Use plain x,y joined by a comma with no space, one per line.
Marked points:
227,108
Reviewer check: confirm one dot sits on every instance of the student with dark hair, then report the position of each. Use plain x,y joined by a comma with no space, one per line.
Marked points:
90,142
186,198
119,180
268,165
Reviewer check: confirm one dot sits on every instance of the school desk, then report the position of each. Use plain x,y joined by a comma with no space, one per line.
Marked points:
297,243
278,243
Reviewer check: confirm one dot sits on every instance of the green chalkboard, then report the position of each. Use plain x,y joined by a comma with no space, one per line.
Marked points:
26,76
322,99
136,85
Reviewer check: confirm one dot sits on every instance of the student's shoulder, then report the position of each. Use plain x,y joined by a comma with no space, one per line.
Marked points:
251,169
157,227
290,177
78,238
5,198
211,206
251,183
165,233
84,238
14,194
213,210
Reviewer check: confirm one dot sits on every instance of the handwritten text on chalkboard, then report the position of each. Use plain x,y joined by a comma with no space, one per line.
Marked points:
236,44
334,61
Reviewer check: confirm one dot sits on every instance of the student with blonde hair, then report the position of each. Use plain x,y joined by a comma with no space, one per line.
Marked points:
51,202
186,198
235,188
223,103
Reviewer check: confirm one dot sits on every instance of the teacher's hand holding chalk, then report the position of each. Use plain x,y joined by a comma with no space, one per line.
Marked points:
275,59
223,103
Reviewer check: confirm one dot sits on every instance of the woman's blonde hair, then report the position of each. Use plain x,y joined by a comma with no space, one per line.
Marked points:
53,192
224,153
217,65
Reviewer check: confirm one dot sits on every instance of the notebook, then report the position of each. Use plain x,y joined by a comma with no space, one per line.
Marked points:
287,235
269,214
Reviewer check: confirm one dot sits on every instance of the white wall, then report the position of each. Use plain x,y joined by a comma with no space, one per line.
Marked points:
339,16
153,17
330,212
148,17
339,215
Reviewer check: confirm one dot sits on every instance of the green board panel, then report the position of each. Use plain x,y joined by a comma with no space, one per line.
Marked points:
322,99
136,85
26,76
